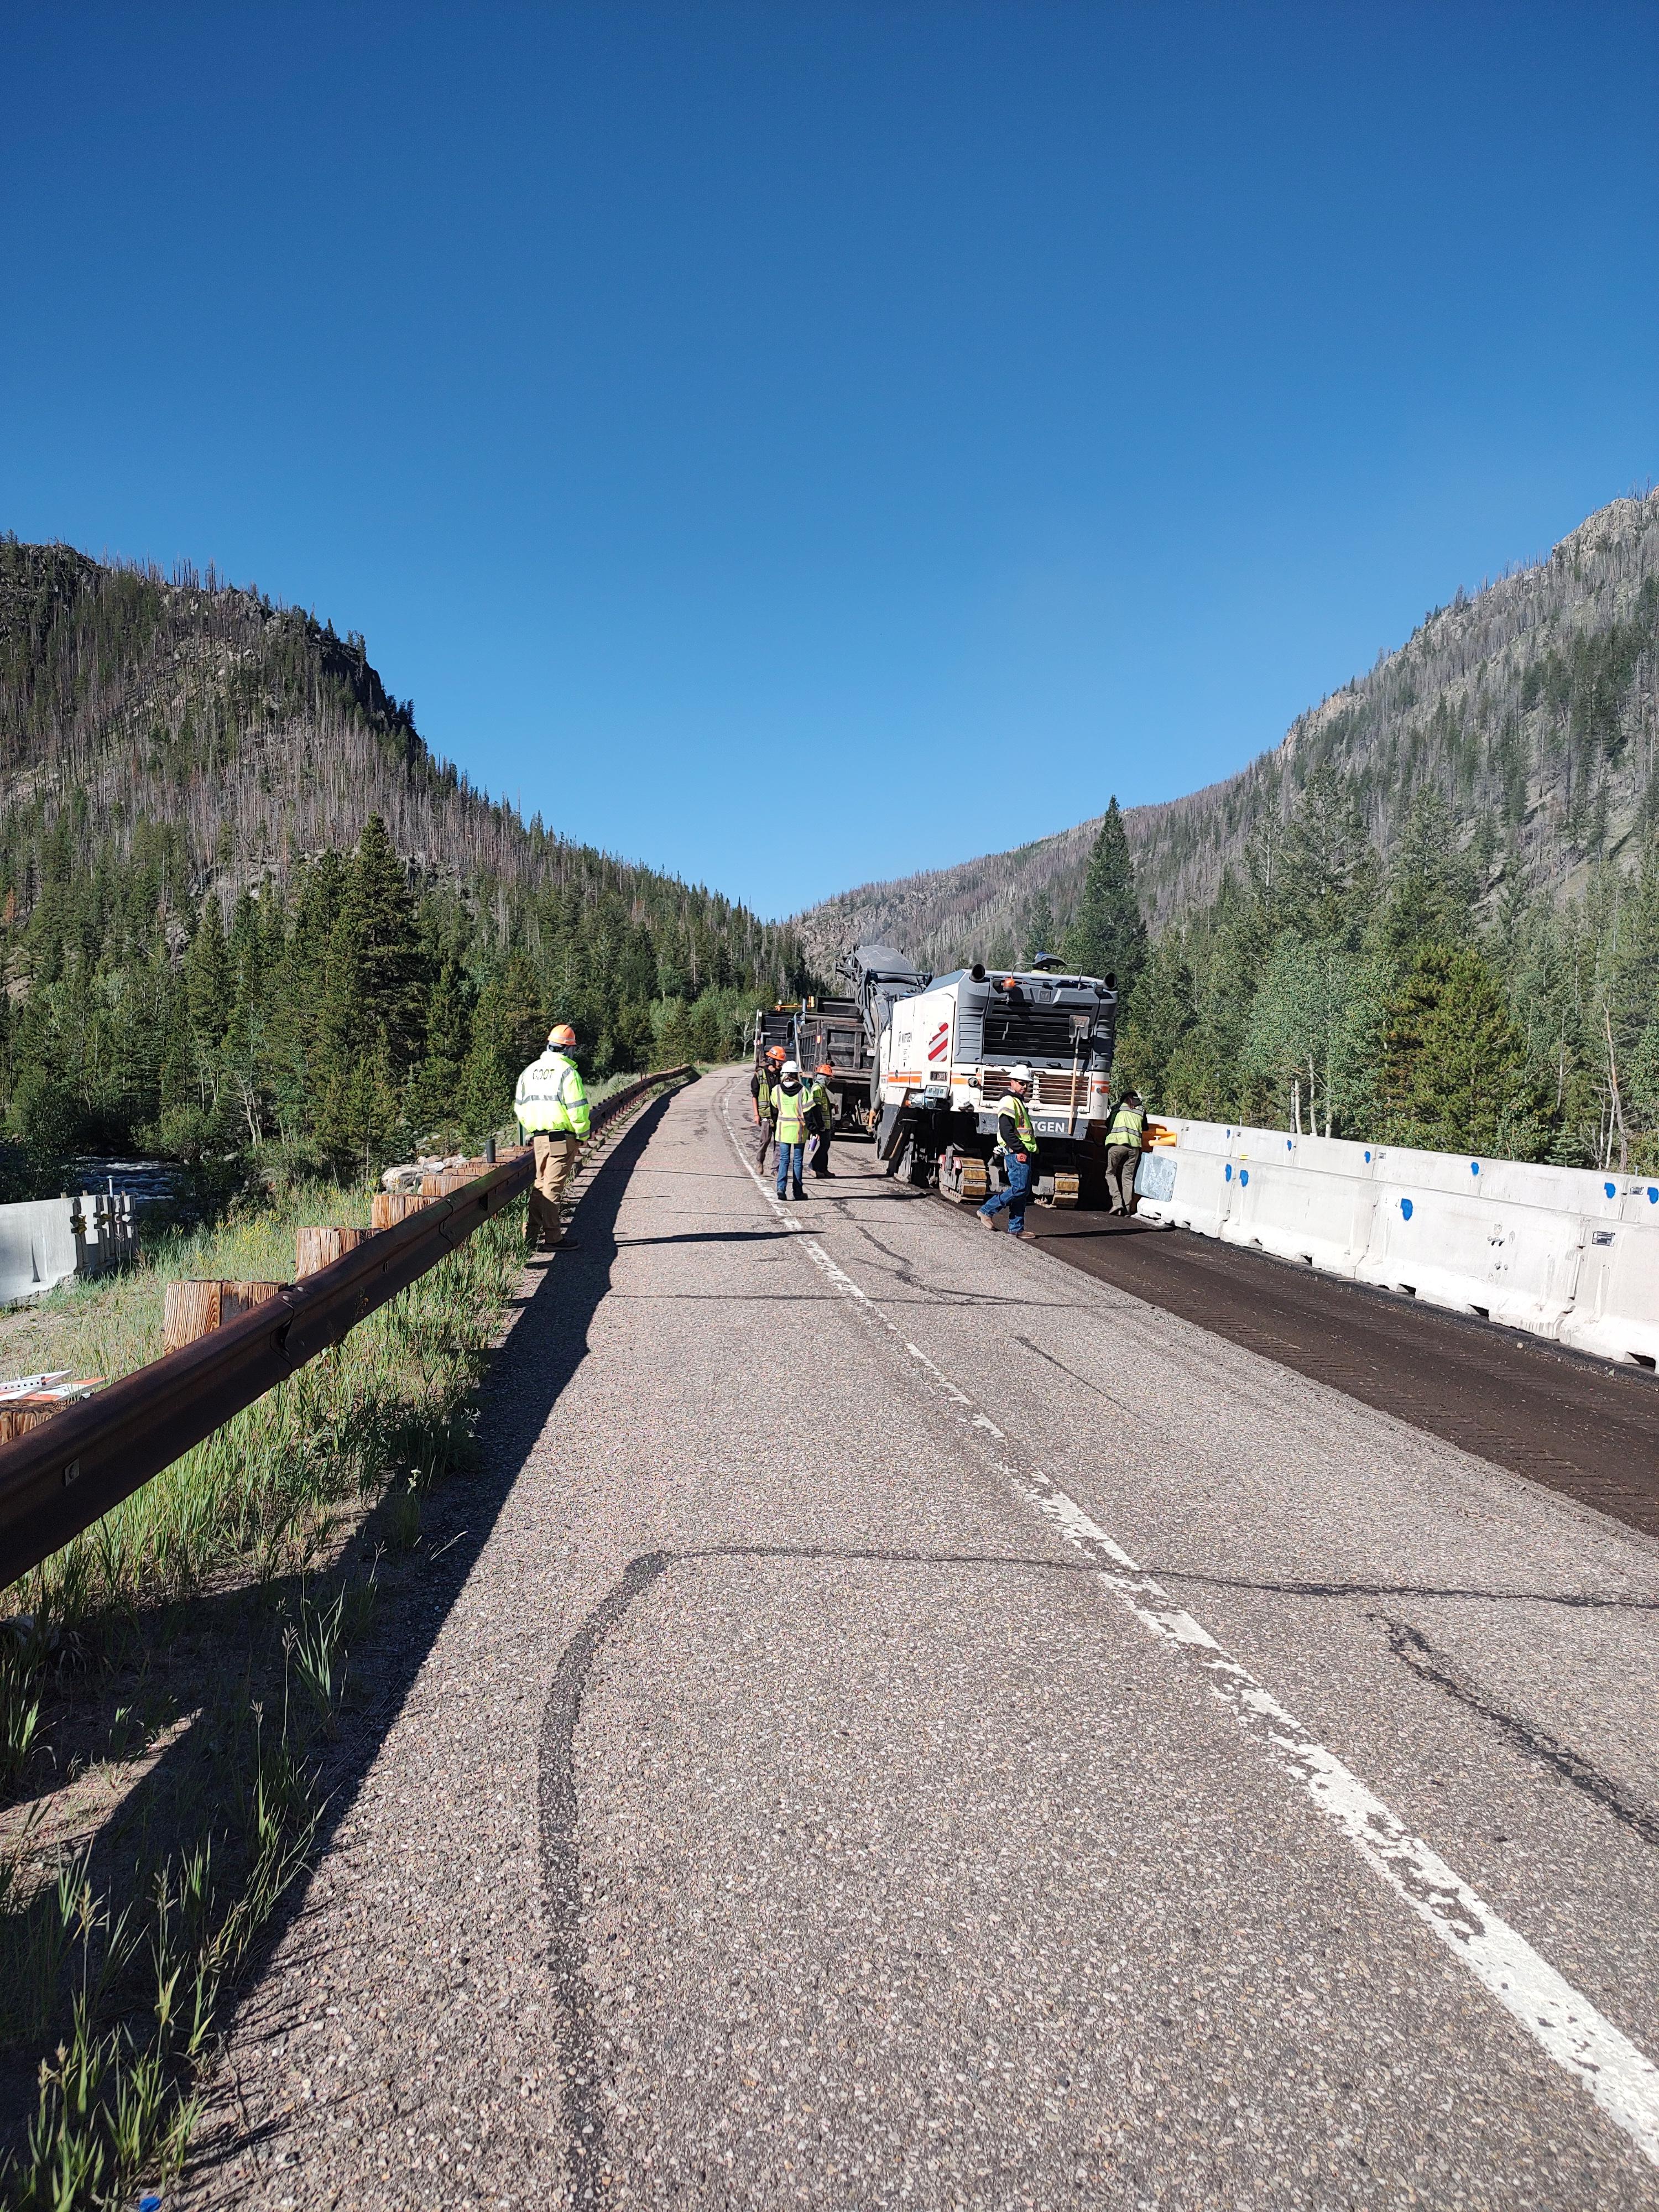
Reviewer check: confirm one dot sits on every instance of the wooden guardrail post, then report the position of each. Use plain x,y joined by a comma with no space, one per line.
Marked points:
194,1310
449,1181
22,1415
315,1249
389,1207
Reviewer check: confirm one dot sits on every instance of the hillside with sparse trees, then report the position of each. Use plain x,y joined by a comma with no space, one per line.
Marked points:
1529,708
1430,917
245,911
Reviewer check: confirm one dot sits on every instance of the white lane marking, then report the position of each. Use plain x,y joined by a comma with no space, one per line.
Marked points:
1621,2078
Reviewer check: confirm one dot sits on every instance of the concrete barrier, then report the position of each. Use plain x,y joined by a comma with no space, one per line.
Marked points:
48,1241
42,1243
1566,1253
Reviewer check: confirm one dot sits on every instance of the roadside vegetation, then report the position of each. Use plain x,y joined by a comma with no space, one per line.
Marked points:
171,1684
1325,990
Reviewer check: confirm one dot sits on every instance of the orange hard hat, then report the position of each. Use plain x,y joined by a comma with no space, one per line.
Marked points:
775,1052
562,1035
824,1068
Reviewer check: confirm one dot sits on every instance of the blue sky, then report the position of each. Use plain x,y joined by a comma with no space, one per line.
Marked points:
797,444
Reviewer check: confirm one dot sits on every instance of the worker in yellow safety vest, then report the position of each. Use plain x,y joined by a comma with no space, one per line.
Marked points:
551,1105
790,1099
1016,1148
1124,1138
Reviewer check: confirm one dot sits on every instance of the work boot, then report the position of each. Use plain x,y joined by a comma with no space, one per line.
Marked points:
986,1220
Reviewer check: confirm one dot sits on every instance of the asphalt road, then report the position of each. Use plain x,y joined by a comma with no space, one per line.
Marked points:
902,1722
1581,1426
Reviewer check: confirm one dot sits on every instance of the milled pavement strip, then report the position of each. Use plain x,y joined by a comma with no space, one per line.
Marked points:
1618,2075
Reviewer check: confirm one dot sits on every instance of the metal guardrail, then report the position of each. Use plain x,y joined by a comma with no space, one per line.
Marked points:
59,1479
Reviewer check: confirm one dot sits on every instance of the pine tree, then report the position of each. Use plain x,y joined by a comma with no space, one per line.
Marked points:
207,978
1160,1016
1327,866
1107,936
1456,1077
508,1029
435,1090
1430,886
388,979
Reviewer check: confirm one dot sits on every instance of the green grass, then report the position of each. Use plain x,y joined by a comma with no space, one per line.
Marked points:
123,1973
120,1956
138,1985
267,1492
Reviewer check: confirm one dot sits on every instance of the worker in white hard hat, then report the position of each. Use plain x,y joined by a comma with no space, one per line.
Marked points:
550,1104
790,1100
1016,1148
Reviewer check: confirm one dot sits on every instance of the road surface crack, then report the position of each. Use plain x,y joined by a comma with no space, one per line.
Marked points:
1441,1671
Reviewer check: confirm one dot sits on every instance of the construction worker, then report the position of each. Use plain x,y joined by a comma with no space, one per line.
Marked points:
760,1089
1017,1149
763,1083
823,1118
1123,1147
789,1102
551,1104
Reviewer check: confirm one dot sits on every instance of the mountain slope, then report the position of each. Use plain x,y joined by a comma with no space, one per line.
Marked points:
248,921
1531,706
258,738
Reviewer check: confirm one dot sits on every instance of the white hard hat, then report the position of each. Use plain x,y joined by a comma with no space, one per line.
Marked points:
790,1067
1020,1074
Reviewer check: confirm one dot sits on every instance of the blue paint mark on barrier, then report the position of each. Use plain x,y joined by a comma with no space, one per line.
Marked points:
1611,1189
1652,1194
1227,1172
1475,1167
1244,1175
1287,1144
1405,1207
1368,1159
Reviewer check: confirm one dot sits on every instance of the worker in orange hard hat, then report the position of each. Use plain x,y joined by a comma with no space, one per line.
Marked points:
760,1083
551,1104
763,1089
821,1118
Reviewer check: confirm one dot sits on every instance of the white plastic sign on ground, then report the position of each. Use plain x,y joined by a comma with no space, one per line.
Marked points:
1567,1253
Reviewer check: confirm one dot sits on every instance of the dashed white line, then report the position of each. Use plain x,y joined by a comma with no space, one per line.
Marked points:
1621,2078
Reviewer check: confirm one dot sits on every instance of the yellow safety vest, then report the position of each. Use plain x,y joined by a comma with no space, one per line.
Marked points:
1128,1125
551,1099
1026,1134
792,1113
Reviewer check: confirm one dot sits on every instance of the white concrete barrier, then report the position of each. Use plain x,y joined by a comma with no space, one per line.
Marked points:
1565,1253
40,1246
48,1241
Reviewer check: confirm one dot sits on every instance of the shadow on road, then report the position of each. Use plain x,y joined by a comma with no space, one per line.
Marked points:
548,1343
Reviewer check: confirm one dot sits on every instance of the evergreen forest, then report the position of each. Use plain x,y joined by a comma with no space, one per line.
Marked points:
1325,989
248,919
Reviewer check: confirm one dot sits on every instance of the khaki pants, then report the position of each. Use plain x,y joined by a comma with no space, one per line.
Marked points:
556,1157
1121,1161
